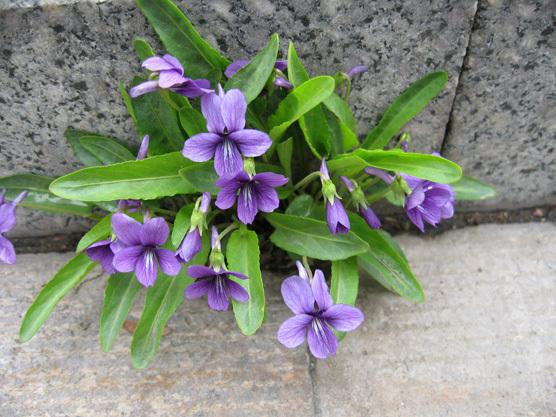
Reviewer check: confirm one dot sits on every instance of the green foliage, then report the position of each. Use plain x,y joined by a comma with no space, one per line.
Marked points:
344,283
65,279
99,231
469,188
93,149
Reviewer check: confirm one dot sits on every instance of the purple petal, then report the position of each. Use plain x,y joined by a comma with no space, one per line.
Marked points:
321,340
359,69
370,217
218,295
298,296
293,331
126,259
415,217
211,109
383,175
201,147
157,63
439,194
412,182
247,204
270,179
190,246
127,230
251,142
281,64
348,183
447,210
146,268
416,197
236,274
321,291
168,262
144,88
200,271
117,246
143,148
237,292
154,232
176,64
24,194
193,88
324,170
7,251
235,67
227,195
234,107
281,82
101,252
302,271
7,217
343,318
198,289
267,198
227,159
336,217
430,213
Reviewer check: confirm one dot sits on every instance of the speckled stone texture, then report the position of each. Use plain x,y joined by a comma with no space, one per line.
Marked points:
482,344
503,126
60,65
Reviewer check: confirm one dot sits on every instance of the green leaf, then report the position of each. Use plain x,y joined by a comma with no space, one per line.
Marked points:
156,118
242,253
105,150
301,206
341,110
298,102
313,124
309,237
65,279
344,283
343,138
469,188
201,177
99,231
285,151
405,108
384,263
429,167
39,198
140,180
119,295
127,101
252,78
181,39
161,303
181,224
192,121
143,49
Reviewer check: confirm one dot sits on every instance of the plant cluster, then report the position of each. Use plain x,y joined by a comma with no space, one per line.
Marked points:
230,150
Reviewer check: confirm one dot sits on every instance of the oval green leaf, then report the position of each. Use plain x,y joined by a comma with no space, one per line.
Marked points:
309,237
99,231
344,283
243,256
181,224
469,189
405,108
141,180
192,121
65,279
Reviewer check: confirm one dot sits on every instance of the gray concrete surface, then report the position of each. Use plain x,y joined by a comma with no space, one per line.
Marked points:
503,126
483,344
61,63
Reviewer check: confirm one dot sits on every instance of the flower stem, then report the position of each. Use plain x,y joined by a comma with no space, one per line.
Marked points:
307,268
369,182
305,181
227,230
164,211
373,198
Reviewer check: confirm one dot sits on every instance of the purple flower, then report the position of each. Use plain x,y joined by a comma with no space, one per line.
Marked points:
281,65
142,252
7,223
170,76
428,202
360,203
217,285
143,148
358,69
256,193
315,316
226,139
383,175
192,244
336,216
102,253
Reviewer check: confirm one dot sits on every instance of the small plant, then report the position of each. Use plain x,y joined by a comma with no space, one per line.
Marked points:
231,150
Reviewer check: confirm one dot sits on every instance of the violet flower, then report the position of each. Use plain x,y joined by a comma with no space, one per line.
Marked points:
226,139
8,221
358,69
170,76
428,202
214,281
142,252
191,243
281,65
360,203
315,316
383,175
102,253
336,216
254,193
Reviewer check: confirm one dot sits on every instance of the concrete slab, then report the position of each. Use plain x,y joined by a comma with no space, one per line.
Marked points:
205,367
482,344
